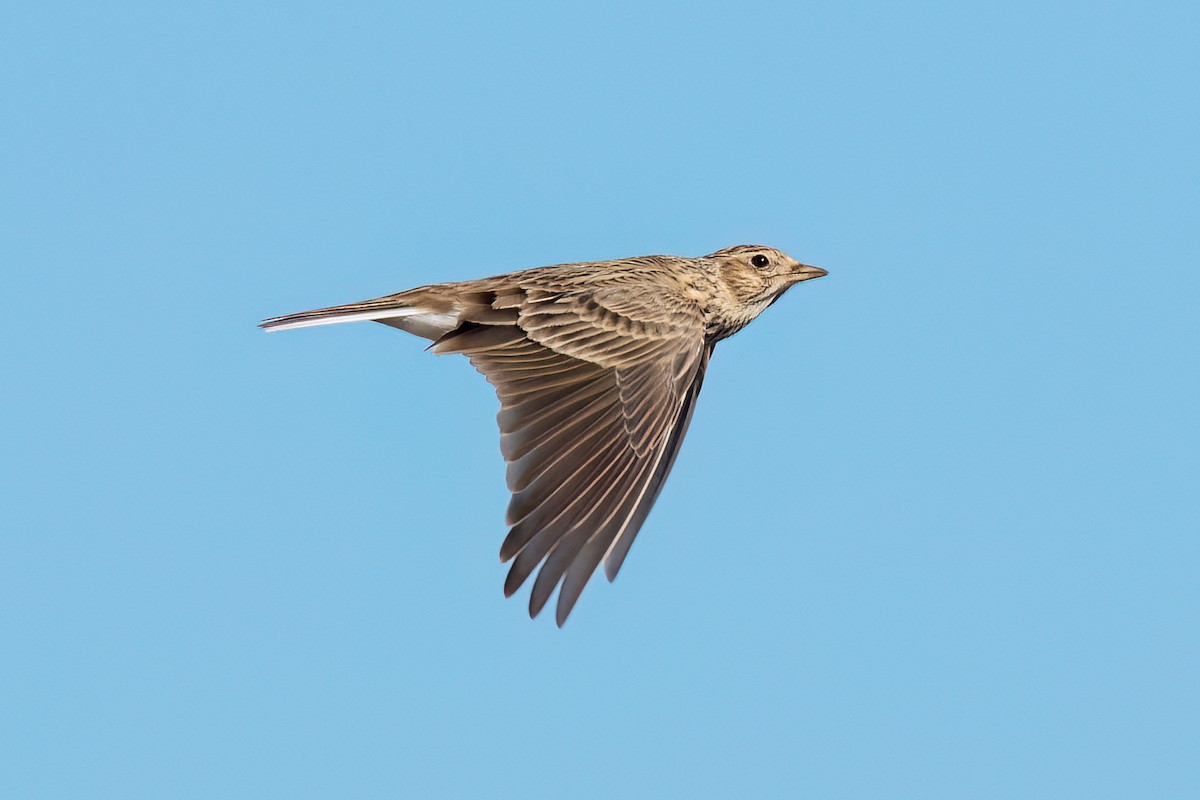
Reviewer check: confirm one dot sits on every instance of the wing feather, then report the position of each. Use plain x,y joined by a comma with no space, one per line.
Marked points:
615,555
595,393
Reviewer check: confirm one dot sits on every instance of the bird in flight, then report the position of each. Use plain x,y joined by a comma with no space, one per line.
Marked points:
597,367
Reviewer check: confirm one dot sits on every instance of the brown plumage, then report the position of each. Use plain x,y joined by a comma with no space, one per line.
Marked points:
597,367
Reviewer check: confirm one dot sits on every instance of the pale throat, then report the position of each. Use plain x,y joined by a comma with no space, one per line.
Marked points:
731,319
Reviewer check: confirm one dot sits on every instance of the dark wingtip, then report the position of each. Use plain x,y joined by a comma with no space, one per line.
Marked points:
537,601
565,605
512,583
509,548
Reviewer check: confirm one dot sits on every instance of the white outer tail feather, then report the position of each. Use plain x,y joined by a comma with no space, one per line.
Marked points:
430,325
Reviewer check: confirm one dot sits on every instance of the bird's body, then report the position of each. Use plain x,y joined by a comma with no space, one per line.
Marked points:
597,367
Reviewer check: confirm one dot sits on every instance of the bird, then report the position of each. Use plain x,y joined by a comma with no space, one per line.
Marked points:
597,367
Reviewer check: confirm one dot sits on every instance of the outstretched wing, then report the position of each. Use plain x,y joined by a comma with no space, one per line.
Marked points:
596,390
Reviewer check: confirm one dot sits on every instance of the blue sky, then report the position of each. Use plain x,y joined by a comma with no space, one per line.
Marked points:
934,531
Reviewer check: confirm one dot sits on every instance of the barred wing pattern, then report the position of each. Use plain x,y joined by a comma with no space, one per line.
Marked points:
596,389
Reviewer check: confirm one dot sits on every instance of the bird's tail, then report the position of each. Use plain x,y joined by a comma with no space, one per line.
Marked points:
413,311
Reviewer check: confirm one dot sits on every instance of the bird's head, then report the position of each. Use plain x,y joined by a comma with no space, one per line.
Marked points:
756,276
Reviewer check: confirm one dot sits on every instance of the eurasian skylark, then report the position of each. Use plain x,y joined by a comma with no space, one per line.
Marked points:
597,367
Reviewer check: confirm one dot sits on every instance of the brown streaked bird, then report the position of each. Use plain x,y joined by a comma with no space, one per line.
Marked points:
597,367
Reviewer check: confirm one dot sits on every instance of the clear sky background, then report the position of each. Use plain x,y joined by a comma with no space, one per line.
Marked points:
935,530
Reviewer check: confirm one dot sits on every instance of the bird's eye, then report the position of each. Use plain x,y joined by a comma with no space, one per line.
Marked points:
760,261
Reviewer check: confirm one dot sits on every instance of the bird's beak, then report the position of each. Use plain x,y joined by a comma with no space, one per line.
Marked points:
806,273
